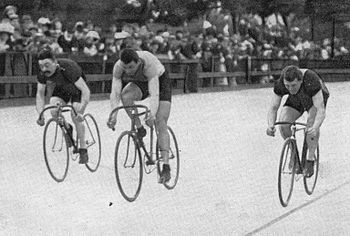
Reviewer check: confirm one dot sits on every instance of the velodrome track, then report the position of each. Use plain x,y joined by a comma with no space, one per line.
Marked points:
227,185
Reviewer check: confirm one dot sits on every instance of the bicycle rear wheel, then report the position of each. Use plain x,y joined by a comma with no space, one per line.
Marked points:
56,151
93,142
310,183
174,160
286,172
128,166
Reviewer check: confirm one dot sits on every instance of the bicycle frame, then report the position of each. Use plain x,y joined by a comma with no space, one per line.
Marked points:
294,130
134,115
61,121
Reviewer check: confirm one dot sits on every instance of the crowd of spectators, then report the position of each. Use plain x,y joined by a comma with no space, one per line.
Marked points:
22,33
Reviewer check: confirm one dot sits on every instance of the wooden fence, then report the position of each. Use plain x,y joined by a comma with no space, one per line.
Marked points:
18,72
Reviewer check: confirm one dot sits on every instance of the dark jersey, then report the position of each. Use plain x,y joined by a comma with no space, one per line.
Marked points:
67,73
311,85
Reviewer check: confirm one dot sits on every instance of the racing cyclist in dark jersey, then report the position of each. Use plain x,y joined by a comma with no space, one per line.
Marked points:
306,92
137,75
66,81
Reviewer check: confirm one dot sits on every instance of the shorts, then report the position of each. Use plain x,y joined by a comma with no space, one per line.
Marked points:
67,96
297,104
164,87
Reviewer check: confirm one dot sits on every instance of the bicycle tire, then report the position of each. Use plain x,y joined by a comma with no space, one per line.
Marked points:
63,136
94,163
132,163
310,183
289,146
174,160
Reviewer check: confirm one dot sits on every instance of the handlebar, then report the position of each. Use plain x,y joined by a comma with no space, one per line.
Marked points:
145,112
290,123
60,108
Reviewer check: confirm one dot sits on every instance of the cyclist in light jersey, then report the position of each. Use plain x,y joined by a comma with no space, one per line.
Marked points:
136,76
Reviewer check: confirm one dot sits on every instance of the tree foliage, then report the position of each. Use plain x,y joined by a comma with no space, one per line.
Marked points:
328,10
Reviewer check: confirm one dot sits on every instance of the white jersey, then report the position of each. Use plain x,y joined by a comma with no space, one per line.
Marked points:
150,67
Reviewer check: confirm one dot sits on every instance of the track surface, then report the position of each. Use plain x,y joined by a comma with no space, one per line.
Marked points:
227,185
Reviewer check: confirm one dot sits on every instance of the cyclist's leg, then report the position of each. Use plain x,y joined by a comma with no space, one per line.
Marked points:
162,129
79,125
163,116
288,114
130,94
312,142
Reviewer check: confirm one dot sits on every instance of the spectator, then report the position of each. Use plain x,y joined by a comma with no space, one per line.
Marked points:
80,37
44,25
67,40
110,48
119,39
91,46
190,49
57,28
154,46
8,12
6,30
26,24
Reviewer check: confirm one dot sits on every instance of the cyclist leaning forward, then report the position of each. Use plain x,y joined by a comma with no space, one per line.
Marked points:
65,79
137,75
306,92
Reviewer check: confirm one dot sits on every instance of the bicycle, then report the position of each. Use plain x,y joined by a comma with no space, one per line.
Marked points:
58,141
128,156
291,165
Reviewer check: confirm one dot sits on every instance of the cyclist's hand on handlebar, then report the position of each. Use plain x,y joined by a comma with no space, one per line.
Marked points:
41,121
80,107
150,121
312,132
79,117
111,122
270,131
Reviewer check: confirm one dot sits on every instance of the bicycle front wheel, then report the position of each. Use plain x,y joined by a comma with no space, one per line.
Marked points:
56,151
93,142
286,172
174,160
128,166
310,183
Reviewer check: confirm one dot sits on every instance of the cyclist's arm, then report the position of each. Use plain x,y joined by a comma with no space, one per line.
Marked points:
85,92
40,97
272,113
318,102
115,92
153,88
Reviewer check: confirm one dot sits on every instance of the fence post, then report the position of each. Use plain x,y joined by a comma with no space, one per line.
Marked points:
104,61
192,77
248,70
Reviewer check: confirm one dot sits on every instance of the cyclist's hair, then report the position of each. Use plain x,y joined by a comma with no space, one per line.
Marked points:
128,55
290,73
46,53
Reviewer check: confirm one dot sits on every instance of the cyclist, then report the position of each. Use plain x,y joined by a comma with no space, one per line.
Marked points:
306,91
65,83
137,75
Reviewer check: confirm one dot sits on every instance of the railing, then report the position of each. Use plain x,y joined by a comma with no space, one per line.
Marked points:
18,72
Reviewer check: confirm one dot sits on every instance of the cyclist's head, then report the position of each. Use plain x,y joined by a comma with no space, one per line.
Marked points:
130,61
128,55
292,79
47,61
291,73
